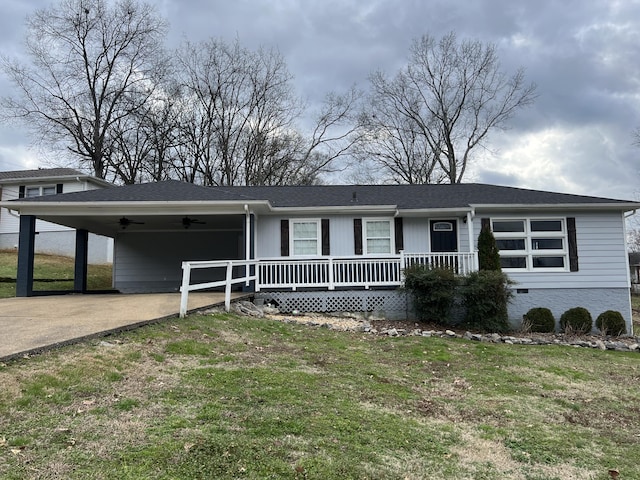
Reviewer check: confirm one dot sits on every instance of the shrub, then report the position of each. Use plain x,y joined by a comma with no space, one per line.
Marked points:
611,322
540,320
433,291
488,253
576,320
485,295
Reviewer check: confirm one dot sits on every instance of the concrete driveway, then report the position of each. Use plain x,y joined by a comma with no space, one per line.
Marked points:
33,324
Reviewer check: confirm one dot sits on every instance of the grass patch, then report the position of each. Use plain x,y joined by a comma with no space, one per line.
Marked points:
229,397
51,272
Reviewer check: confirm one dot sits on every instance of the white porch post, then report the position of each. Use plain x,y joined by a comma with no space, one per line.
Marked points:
227,288
331,280
247,242
184,289
472,248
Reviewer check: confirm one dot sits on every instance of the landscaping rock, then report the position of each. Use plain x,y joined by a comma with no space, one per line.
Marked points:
244,307
365,324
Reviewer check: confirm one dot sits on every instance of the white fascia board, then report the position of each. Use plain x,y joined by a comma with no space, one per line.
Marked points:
377,209
130,208
428,212
619,207
56,179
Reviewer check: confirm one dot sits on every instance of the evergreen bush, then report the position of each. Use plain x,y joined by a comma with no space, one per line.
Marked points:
576,320
540,320
488,252
486,294
611,322
433,291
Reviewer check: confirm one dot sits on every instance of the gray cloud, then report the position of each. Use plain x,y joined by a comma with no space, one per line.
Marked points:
582,54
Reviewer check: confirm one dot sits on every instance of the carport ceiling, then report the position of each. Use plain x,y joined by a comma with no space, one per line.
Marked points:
112,225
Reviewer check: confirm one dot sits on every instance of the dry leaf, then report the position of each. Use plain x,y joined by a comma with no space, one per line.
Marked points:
188,446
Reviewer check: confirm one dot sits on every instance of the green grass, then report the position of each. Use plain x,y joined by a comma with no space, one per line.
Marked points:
56,270
229,397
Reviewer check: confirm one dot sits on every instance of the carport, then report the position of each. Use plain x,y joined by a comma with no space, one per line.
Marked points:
155,226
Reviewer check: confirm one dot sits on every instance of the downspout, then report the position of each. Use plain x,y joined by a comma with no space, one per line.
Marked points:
626,256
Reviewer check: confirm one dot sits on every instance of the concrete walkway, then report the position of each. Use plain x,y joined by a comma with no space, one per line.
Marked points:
30,325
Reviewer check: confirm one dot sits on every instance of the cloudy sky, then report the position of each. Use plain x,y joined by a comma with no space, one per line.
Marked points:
584,56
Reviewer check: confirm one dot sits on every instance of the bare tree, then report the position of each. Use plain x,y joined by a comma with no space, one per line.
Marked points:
424,124
140,145
92,65
239,120
233,100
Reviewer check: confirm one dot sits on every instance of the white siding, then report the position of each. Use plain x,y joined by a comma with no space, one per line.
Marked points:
153,261
10,222
341,240
415,233
601,254
417,237
340,235
267,236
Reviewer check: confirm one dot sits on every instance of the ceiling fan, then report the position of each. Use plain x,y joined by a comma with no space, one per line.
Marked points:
125,222
187,222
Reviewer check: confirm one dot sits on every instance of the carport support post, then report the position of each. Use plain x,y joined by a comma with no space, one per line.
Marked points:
26,251
82,254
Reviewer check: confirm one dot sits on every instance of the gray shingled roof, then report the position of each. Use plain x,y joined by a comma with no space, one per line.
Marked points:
39,173
402,196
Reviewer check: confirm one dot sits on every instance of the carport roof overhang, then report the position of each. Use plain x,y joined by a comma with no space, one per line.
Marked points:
41,209
102,217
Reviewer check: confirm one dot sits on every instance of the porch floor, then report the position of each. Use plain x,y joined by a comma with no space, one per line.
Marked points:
33,324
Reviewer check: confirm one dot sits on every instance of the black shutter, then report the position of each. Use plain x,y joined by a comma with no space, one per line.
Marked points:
324,226
284,238
573,244
58,188
485,222
399,234
357,235
21,191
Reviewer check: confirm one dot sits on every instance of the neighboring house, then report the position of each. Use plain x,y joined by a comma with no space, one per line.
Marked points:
342,248
52,238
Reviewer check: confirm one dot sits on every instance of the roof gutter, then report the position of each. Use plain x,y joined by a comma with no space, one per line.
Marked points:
391,209
622,206
146,207
57,179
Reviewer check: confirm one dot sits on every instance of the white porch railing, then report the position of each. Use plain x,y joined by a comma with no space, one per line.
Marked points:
329,272
321,272
229,280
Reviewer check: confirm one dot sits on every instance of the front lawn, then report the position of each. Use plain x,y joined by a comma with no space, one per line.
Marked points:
229,397
51,272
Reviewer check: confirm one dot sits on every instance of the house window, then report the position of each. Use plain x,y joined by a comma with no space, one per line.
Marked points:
442,227
532,244
40,191
305,238
377,236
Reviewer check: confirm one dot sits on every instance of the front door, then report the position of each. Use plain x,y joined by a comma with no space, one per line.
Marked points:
444,236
